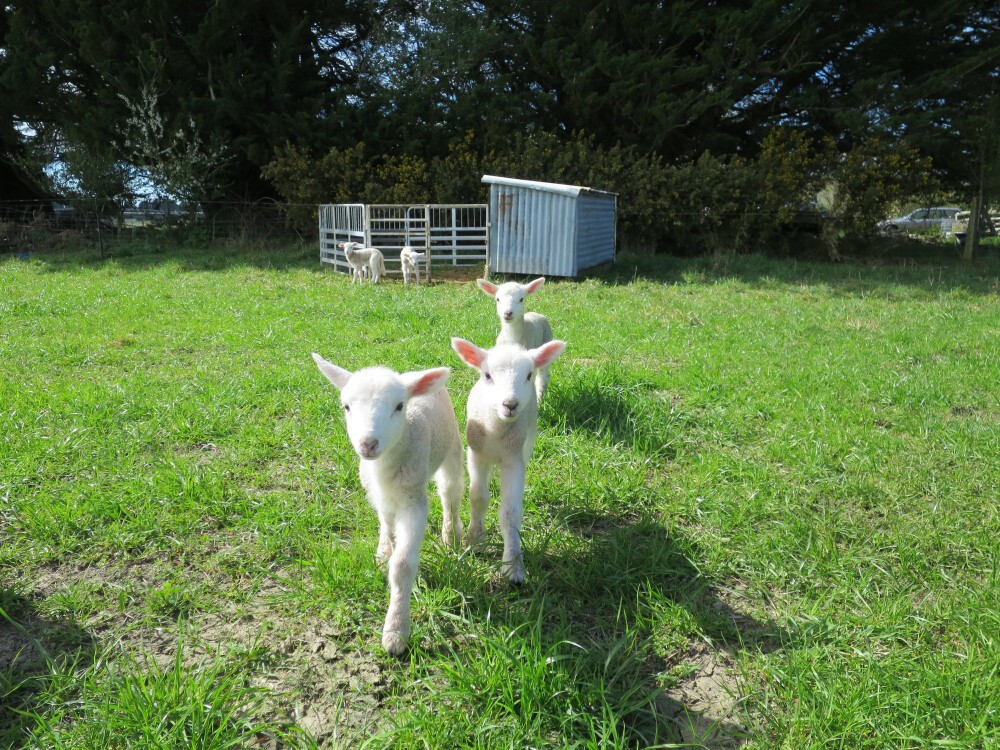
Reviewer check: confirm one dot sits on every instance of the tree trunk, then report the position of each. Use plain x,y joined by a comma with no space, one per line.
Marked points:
972,229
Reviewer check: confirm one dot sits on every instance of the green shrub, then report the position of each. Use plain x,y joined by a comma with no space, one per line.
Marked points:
713,203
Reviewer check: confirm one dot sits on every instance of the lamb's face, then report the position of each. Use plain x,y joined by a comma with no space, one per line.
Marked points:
507,375
510,301
510,296
374,403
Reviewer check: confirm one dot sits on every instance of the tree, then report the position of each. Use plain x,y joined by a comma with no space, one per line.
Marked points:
247,75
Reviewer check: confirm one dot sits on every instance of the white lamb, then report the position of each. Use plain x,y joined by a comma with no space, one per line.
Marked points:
526,329
410,259
501,428
404,429
363,260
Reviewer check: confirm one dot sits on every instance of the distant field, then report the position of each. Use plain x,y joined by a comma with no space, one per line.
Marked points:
762,511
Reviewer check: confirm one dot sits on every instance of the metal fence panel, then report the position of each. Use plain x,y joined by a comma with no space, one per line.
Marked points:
456,233
342,222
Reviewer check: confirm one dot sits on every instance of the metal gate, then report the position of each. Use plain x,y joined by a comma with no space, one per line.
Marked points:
449,233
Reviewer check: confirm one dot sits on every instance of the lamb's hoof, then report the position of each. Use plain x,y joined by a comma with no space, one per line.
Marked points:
394,642
516,576
473,538
452,537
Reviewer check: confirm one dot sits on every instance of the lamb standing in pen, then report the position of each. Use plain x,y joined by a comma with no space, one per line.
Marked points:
404,429
410,259
363,260
376,264
527,329
501,428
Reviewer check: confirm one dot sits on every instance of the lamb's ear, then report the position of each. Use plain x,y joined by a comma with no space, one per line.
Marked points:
341,245
336,375
546,353
490,289
425,381
533,286
471,354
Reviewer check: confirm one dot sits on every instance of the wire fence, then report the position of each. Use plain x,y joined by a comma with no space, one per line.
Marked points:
40,225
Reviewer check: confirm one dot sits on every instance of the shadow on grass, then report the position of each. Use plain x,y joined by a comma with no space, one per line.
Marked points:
613,407
640,580
932,267
36,656
220,257
644,641
929,266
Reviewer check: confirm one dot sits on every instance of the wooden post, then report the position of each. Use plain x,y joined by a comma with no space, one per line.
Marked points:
972,230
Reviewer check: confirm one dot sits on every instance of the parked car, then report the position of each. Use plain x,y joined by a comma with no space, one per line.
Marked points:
922,220
989,225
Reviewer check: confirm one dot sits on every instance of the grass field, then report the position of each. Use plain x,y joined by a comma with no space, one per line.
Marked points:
762,511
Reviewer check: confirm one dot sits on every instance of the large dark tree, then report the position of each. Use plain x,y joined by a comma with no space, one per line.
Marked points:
676,78
242,77
682,77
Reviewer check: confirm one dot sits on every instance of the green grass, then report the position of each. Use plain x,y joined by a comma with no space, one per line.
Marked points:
780,472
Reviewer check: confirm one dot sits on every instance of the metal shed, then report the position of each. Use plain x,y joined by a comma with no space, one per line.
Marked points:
544,228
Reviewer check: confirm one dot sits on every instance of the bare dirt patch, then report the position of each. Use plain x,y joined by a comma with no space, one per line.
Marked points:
705,705
320,678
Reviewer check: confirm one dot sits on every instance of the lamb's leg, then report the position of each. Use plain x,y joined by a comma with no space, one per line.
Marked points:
479,497
451,487
529,443
541,383
416,271
408,530
511,502
384,551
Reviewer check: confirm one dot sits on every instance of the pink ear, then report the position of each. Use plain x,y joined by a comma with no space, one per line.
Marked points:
546,353
426,381
487,287
469,352
336,375
534,286
341,245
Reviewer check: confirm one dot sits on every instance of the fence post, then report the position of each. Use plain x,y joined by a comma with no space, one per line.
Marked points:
427,242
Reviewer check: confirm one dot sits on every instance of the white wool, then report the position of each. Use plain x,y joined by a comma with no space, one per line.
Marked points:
500,429
525,329
410,259
403,427
363,260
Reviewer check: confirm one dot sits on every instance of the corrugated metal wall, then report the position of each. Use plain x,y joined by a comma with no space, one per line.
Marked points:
595,232
531,231
536,231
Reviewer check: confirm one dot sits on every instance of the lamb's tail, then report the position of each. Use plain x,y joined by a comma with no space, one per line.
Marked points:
381,264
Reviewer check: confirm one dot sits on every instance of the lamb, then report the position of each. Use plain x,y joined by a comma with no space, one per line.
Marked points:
376,264
363,260
403,427
410,260
501,429
529,330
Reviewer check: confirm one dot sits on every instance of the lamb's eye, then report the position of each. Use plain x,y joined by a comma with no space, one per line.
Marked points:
399,406
529,377
521,300
346,407
487,376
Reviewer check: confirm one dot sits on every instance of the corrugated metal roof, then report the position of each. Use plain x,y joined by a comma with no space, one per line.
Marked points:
550,187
